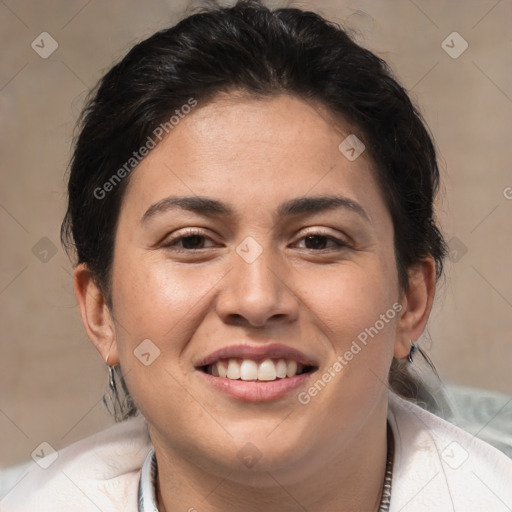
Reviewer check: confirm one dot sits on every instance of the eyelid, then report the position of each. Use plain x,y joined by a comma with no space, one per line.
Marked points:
167,242
339,241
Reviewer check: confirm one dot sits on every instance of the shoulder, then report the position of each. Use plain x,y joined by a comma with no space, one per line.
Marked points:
438,464
98,472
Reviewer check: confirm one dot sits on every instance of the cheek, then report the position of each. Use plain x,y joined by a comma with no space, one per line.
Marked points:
357,311
353,297
162,303
353,308
155,298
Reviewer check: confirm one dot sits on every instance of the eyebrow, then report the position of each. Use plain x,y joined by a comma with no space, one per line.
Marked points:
298,206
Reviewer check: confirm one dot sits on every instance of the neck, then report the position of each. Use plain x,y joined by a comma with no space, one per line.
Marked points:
351,479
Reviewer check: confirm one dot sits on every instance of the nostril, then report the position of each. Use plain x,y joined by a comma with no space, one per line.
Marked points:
236,320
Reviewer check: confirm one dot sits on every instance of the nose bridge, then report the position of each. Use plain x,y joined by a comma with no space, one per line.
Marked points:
256,288
256,267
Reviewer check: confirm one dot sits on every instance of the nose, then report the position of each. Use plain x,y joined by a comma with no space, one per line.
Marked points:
257,292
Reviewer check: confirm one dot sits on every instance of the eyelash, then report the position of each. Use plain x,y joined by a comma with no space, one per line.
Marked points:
170,243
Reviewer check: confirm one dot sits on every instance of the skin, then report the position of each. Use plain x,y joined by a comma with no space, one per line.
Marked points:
254,154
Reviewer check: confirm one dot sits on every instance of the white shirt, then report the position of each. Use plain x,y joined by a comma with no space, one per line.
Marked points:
437,467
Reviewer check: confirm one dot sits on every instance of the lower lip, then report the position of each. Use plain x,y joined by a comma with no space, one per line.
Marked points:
256,391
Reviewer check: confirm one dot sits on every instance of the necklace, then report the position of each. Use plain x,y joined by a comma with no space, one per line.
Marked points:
148,475
385,499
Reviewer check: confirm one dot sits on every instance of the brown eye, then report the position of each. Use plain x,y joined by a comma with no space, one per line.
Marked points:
315,242
191,241
318,241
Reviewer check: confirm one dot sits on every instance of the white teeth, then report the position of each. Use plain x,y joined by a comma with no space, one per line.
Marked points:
267,370
247,369
233,369
221,369
281,368
292,368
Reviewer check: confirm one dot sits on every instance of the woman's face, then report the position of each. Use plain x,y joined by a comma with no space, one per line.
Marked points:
249,276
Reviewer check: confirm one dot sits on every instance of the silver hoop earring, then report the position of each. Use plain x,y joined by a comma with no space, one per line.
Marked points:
411,352
111,395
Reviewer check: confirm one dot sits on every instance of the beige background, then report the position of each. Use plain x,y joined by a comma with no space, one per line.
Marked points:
51,378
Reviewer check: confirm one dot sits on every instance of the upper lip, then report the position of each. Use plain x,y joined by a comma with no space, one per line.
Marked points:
257,353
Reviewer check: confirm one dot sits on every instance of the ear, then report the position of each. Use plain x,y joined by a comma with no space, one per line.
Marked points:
416,306
95,314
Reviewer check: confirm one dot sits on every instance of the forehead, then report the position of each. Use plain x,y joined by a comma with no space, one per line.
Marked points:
253,151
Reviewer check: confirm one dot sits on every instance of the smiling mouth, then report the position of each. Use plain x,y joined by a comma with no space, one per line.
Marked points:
251,370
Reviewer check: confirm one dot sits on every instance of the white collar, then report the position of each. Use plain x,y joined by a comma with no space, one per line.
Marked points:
147,484
435,465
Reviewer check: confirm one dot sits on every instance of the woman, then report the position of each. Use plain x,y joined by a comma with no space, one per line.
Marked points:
251,203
